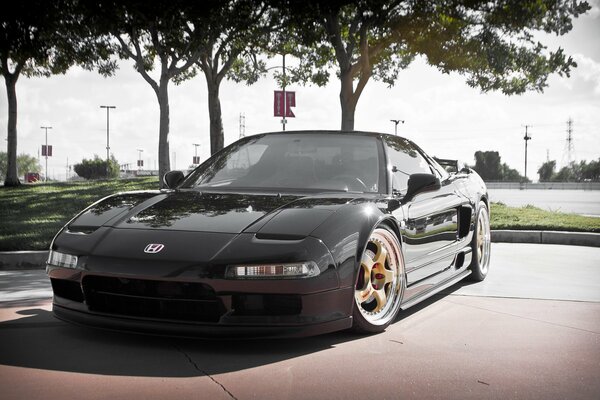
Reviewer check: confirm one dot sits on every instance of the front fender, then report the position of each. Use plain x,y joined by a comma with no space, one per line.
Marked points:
347,232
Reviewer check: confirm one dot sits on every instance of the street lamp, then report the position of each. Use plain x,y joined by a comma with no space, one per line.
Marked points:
283,85
196,159
140,162
526,138
46,152
107,136
396,122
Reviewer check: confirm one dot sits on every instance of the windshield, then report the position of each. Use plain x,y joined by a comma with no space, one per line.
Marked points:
298,161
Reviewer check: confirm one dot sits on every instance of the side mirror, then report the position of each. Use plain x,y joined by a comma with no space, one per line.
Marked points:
172,179
419,183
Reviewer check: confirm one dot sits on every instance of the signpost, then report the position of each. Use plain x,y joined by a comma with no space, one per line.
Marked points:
46,151
283,101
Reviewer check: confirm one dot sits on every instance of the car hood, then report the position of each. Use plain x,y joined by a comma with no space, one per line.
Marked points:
232,213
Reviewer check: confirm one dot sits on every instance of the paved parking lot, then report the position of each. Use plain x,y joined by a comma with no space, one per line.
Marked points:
531,330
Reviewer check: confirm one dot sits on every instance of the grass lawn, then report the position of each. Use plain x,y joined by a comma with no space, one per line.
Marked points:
533,218
31,215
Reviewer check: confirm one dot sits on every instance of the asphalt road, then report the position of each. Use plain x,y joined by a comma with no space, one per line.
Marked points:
530,331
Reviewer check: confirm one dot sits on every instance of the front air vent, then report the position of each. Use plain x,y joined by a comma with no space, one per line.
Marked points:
70,290
266,305
180,301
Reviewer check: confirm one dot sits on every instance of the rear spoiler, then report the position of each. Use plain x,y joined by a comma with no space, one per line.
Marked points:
449,165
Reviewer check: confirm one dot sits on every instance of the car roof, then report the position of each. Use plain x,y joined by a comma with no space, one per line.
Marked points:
318,131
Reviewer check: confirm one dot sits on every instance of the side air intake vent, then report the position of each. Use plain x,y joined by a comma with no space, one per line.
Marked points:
464,221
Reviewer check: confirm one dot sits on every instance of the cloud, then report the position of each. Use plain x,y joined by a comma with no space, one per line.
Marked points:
589,71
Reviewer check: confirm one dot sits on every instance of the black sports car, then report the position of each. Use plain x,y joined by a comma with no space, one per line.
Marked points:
279,234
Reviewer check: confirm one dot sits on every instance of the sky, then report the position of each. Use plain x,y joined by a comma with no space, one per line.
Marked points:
442,114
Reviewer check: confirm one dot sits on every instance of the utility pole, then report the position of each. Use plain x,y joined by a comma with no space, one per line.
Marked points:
107,136
396,122
46,155
526,138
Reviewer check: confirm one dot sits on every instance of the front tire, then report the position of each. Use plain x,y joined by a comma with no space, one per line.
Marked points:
380,283
481,245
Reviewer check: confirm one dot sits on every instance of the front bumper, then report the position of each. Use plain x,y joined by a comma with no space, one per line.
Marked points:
211,308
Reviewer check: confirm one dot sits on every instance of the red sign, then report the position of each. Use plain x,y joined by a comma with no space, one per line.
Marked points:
47,150
290,101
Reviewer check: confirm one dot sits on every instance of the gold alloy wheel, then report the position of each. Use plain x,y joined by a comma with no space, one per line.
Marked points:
483,240
380,280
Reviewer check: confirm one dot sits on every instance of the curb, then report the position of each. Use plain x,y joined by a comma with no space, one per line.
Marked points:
17,260
547,237
10,260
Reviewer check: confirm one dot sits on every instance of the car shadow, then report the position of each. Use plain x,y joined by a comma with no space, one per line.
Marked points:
36,339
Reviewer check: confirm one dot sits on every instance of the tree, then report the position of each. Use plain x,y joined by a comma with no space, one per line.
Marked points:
591,171
547,171
25,163
97,168
42,38
233,31
153,33
492,43
487,165
578,172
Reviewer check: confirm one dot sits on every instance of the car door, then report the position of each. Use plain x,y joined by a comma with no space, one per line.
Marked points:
430,225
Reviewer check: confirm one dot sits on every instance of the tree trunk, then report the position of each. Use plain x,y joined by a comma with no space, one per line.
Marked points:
348,100
12,178
214,112
164,163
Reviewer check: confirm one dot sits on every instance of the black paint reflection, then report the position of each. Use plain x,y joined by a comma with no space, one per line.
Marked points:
209,212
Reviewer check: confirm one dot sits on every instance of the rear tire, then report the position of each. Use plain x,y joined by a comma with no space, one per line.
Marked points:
379,284
481,245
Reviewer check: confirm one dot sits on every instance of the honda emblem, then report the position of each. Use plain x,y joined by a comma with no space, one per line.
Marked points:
154,248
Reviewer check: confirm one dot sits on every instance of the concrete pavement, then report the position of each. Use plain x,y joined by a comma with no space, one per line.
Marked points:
531,330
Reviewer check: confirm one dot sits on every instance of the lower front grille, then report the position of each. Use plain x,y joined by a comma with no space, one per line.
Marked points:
70,290
181,301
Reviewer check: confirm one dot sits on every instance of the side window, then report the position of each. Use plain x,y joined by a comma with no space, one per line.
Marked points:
404,159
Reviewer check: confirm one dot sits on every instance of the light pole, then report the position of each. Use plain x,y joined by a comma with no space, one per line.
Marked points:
526,138
283,85
107,136
140,162
196,159
46,155
396,122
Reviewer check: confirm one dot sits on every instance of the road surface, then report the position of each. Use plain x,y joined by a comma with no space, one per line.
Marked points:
530,331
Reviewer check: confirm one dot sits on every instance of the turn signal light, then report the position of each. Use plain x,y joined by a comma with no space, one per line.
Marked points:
273,271
58,259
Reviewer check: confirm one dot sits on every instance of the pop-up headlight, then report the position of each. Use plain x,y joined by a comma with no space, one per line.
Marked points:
59,259
305,269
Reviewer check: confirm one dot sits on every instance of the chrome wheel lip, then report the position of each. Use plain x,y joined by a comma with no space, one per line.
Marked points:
483,240
394,276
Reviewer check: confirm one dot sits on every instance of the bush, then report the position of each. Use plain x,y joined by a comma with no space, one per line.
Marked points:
97,168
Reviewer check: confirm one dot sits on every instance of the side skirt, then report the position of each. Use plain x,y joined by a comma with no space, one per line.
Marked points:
436,289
